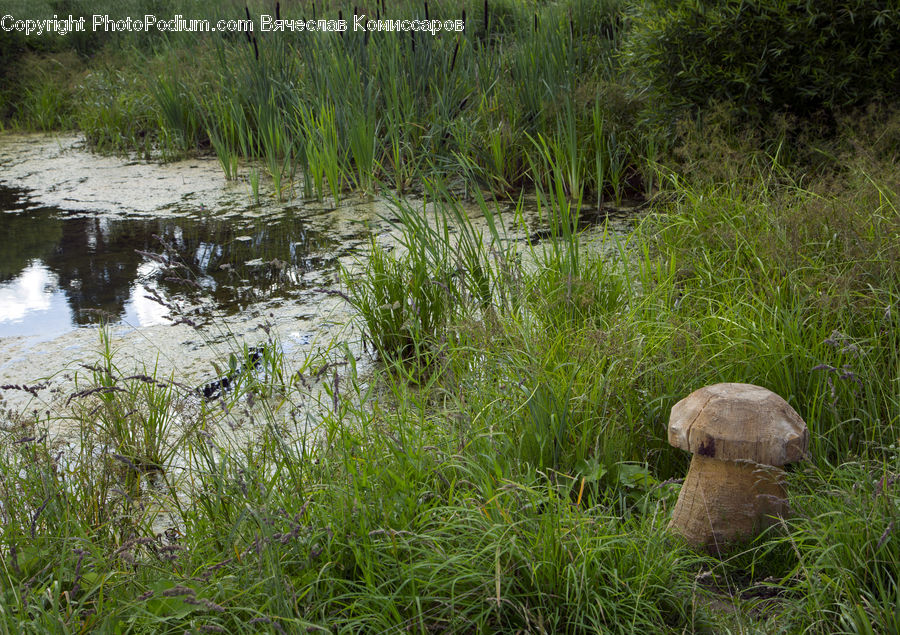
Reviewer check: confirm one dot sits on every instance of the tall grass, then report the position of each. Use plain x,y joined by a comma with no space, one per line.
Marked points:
510,469
180,121
360,108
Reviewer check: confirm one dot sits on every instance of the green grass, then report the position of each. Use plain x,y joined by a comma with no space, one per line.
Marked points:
363,108
505,465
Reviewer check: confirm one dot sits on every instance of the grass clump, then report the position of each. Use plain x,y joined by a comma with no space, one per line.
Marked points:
406,306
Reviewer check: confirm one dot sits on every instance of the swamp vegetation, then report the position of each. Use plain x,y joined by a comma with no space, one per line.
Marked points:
505,466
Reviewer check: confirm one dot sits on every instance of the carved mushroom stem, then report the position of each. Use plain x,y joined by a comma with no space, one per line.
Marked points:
723,502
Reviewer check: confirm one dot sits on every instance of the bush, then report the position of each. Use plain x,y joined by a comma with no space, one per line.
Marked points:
763,57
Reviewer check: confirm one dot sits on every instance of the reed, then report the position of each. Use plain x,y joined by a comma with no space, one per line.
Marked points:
403,108
274,145
253,177
180,122
363,135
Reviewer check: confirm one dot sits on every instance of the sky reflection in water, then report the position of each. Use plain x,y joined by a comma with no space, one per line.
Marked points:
61,270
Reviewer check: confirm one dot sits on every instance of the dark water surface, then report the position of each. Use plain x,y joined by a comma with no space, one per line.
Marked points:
63,269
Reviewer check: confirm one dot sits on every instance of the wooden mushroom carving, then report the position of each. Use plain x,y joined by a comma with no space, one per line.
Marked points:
740,435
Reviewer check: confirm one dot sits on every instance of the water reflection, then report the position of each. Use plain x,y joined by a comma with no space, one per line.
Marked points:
60,270
33,303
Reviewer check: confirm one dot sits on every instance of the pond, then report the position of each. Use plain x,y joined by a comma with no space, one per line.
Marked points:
61,270
184,270
180,264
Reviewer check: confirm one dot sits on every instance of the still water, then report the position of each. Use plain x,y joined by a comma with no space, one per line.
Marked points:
180,264
61,270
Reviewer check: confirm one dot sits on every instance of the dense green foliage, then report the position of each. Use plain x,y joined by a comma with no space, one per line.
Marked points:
763,57
324,112
327,111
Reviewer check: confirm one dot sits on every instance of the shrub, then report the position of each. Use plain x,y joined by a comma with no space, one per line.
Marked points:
794,56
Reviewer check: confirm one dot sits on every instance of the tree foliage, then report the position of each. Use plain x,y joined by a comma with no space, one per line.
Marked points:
763,56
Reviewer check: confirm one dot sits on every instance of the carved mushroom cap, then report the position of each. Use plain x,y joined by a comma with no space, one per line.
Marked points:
738,422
